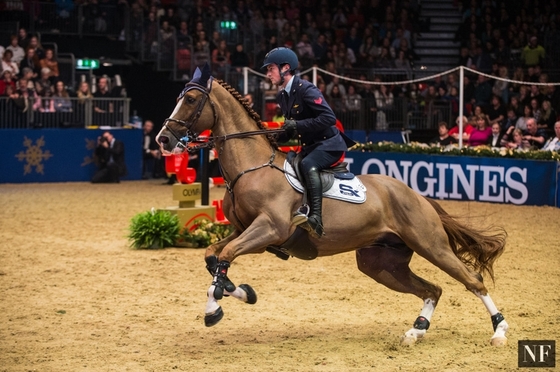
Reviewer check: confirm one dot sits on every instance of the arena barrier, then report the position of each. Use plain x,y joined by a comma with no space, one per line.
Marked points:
66,155
61,155
511,181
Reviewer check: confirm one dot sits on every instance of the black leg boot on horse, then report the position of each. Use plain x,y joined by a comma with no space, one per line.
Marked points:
314,189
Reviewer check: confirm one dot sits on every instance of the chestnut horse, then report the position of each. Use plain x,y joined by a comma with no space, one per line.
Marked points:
391,225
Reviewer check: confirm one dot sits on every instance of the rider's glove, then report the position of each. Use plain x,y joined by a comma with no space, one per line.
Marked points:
290,128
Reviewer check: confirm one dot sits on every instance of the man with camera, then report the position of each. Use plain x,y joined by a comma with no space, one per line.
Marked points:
109,156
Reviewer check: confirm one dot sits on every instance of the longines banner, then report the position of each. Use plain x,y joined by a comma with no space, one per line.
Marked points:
61,155
522,182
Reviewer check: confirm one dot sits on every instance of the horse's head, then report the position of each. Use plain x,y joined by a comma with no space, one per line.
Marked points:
194,113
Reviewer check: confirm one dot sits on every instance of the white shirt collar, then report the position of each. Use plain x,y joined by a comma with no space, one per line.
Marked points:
289,86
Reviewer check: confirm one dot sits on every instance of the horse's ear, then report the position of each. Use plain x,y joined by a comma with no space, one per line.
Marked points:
197,74
205,76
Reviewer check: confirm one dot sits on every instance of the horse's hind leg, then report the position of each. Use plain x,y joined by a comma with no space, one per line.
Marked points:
389,265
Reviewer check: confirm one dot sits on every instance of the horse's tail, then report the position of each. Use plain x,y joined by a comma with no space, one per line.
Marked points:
478,248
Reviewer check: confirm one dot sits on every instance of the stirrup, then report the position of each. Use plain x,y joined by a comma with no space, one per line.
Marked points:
314,228
300,216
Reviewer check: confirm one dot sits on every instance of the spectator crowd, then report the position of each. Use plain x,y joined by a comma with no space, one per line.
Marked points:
512,43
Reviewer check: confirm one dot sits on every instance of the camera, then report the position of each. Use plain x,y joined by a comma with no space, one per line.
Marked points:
102,140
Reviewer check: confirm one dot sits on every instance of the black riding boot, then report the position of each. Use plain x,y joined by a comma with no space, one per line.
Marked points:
314,190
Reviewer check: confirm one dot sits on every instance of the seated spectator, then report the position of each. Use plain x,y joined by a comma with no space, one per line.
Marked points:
7,63
24,98
109,155
150,150
495,140
61,98
84,92
553,143
511,119
536,107
17,50
384,100
501,87
533,54
336,101
516,142
278,116
548,117
239,58
304,50
482,91
353,104
220,59
7,81
467,129
481,133
443,138
522,121
36,45
402,63
384,60
335,82
50,62
533,136
45,89
31,60
496,111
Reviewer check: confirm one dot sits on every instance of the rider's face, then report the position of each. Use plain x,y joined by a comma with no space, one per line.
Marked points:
273,74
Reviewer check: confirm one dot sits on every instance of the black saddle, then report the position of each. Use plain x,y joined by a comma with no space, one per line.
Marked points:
339,171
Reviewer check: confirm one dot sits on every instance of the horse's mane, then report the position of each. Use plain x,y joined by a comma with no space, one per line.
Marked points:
252,113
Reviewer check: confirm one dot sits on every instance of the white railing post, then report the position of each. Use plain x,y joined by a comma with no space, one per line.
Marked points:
245,80
461,104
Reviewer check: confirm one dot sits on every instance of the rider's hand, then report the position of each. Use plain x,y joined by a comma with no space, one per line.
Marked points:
290,128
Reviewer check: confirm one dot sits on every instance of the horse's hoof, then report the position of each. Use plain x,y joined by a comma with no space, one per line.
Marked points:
213,319
408,340
251,294
498,341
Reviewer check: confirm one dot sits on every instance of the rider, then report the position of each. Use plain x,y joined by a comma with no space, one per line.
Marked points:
309,118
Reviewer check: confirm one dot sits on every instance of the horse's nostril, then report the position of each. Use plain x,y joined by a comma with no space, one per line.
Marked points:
163,140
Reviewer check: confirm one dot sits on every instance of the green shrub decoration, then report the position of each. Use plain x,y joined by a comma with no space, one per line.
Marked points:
204,234
154,230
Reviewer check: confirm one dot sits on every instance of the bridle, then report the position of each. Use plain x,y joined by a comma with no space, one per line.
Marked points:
193,137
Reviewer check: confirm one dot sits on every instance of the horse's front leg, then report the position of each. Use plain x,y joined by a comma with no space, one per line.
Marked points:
254,239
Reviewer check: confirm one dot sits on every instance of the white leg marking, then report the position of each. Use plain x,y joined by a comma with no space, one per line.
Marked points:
211,304
428,309
413,334
487,301
499,338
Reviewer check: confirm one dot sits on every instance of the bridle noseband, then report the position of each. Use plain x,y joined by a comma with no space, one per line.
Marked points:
193,119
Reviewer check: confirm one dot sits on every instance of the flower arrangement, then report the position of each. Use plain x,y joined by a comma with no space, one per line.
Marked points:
454,150
153,230
204,234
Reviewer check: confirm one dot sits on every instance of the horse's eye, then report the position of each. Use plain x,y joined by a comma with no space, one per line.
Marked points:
190,100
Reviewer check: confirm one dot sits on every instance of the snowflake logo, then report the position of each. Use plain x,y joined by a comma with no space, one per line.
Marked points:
90,145
34,155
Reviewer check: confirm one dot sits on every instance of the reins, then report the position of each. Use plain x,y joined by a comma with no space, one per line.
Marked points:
210,142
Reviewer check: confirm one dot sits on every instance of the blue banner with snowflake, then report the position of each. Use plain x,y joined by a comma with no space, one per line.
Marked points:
61,155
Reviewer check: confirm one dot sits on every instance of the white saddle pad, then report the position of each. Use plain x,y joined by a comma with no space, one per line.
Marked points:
352,191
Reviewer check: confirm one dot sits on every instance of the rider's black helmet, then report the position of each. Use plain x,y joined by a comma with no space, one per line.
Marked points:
281,56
